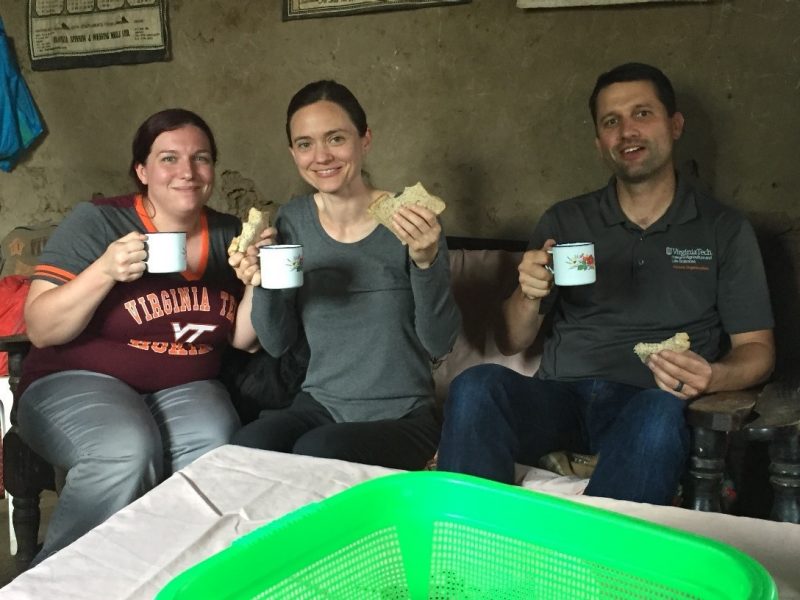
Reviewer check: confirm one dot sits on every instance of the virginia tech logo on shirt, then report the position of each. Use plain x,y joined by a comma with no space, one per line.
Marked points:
690,259
171,303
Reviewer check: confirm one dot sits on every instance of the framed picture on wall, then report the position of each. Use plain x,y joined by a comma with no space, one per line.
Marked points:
305,9
560,3
70,34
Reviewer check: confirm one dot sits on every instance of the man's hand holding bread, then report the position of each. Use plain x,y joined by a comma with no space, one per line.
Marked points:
675,367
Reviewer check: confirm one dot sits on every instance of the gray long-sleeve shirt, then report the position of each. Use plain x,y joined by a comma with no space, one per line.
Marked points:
373,320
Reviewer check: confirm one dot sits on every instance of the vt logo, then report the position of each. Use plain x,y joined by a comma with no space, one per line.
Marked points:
194,331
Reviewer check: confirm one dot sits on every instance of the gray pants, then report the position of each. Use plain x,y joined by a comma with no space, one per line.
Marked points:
115,444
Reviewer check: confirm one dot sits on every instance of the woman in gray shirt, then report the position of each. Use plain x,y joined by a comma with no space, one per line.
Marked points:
376,306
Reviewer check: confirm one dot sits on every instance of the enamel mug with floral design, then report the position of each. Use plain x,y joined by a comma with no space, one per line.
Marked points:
573,264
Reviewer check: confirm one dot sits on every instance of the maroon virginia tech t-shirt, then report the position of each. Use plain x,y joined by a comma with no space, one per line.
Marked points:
156,332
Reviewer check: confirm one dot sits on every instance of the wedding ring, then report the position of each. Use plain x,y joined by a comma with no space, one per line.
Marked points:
678,387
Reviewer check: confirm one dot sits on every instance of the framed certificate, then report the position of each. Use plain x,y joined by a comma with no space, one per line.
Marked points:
304,9
67,34
560,3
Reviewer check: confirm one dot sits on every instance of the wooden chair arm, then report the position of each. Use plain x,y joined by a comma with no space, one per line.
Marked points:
723,411
777,412
17,346
16,343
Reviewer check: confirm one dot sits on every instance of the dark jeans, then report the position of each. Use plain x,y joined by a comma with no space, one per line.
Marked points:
495,417
306,427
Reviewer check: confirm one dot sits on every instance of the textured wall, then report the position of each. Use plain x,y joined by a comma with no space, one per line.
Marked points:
484,103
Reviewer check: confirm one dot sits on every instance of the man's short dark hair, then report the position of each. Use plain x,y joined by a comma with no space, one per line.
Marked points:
636,72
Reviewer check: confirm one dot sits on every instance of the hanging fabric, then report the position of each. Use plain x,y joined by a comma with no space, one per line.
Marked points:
20,124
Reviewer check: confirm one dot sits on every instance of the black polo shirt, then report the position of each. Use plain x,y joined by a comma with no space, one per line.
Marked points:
697,269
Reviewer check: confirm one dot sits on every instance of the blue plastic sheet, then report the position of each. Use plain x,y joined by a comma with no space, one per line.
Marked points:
20,124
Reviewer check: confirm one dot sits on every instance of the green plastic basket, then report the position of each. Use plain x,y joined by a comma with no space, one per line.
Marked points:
445,536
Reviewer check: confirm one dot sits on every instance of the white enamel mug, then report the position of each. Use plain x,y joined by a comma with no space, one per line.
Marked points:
166,252
281,266
573,264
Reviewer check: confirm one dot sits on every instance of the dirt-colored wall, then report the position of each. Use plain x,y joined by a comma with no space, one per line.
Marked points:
484,103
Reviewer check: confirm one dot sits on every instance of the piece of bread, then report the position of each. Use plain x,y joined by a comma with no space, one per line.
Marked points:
385,206
677,343
257,221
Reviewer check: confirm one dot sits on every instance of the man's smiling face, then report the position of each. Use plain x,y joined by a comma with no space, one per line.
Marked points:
635,135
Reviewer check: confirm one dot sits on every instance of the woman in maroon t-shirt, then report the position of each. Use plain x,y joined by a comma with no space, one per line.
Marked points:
120,390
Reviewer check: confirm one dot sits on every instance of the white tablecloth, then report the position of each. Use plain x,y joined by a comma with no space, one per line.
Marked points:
231,491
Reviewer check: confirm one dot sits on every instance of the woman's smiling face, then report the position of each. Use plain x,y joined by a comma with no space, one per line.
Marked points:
327,148
179,171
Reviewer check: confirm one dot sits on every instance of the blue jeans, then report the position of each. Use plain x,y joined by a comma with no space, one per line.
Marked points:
495,417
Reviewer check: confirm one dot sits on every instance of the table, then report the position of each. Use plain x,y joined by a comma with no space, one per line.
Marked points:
232,490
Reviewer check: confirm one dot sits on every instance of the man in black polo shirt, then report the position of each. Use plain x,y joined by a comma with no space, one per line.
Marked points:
668,259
